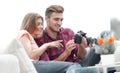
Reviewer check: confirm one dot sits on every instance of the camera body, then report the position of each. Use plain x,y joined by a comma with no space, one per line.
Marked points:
80,34
78,38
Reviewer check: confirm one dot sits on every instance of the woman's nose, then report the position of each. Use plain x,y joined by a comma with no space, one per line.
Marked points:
40,26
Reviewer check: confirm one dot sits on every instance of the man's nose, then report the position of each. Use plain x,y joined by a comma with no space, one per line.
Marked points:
59,23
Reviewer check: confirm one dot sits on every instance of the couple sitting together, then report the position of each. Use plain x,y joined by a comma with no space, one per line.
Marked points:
53,49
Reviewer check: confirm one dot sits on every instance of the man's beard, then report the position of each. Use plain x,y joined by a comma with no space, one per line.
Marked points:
52,29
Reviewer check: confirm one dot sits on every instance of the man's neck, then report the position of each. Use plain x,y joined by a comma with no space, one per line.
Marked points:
51,33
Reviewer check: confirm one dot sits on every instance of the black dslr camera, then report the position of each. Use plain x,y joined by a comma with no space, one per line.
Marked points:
78,38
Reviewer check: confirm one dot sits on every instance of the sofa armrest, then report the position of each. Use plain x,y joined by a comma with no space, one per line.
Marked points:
9,64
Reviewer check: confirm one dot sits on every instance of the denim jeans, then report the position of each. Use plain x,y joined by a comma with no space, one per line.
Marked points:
52,66
60,67
91,58
79,69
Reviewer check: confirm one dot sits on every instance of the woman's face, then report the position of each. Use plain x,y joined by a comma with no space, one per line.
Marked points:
38,32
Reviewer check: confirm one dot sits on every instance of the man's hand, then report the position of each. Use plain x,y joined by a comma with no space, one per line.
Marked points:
83,43
70,45
82,48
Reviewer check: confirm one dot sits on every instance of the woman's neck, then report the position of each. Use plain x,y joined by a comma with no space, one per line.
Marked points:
36,35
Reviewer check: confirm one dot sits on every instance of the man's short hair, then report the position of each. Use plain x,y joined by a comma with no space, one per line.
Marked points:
54,8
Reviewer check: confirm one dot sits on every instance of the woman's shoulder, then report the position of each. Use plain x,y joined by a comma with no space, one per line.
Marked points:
22,33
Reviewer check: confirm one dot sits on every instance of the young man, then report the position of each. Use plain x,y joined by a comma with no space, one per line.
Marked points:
68,51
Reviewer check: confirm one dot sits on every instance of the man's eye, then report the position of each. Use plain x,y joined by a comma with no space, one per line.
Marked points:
61,19
56,19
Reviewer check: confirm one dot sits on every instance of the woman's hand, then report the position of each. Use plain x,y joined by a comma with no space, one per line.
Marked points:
55,44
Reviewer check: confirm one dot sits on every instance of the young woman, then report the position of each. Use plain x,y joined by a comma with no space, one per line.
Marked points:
32,27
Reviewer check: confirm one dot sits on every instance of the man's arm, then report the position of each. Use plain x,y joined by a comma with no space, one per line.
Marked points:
62,57
81,53
70,45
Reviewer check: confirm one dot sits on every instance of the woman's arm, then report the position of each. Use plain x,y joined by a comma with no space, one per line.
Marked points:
32,49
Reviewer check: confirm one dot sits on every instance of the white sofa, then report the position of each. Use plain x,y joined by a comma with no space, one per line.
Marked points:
15,60
9,64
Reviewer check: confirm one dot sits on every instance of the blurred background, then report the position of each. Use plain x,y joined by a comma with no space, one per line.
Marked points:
90,16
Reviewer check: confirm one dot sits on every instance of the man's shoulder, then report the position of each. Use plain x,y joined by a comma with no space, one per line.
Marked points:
66,30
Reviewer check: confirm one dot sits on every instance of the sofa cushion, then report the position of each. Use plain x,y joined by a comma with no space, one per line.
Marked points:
9,64
15,48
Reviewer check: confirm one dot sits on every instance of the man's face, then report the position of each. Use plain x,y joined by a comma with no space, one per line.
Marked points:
54,22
